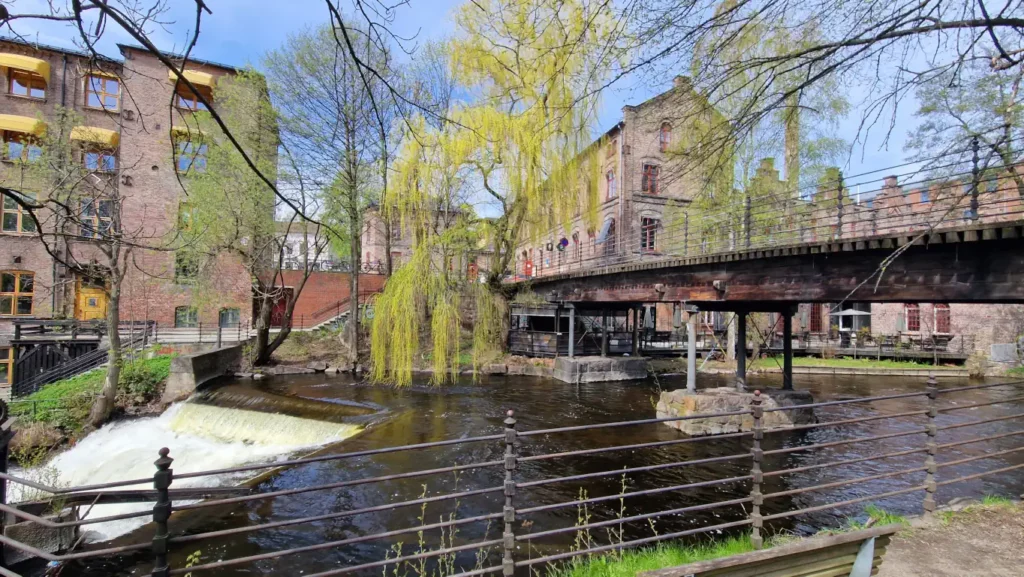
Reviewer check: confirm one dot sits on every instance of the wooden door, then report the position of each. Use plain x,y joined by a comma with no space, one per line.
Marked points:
90,301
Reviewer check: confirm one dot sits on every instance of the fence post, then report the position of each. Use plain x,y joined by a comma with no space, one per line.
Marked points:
756,454
509,511
975,178
932,432
220,334
161,512
200,332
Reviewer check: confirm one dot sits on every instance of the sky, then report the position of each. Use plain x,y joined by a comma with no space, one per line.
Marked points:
239,32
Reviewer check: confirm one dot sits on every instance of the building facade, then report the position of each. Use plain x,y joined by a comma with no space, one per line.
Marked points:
114,115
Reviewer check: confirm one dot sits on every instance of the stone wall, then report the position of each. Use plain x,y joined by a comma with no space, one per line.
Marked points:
189,372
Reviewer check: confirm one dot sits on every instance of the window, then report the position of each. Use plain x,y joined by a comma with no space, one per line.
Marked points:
186,317
612,147
913,317
191,156
96,217
396,231
609,239
20,146
186,269
16,291
577,246
13,218
817,322
648,230
924,195
229,318
186,99
943,318
6,365
187,217
27,84
649,183
665,137
612,186
99,160
102,92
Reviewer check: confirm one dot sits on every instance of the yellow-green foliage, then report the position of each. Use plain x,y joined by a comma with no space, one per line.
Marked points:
532,69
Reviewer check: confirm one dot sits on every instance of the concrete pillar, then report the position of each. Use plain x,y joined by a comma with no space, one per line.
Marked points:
787,349
730,336
558,328
572,331
604,332
636,331
691,351
741,350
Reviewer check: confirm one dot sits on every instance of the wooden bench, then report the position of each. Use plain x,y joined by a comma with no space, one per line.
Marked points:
832,556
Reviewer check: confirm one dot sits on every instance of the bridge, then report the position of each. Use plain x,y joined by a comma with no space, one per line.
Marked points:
945,242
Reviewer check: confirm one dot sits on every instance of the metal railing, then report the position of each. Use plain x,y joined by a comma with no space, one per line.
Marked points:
963,200
747,494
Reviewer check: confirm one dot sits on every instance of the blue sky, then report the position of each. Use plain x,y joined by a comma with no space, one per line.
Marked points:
238,32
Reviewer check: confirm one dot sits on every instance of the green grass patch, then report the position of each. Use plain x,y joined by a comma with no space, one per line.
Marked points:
630,562
997,501
841,362
66,403
1016,372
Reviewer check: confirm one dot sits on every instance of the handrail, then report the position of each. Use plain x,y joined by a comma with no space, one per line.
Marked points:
734,510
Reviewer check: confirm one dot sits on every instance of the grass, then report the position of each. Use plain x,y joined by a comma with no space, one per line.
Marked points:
997,501
66,403
1016,372
841,362
629,563
988,502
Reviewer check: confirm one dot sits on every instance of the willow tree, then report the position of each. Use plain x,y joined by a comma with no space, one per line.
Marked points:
532,70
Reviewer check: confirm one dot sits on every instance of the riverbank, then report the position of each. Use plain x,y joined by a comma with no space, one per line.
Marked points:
980,538
57,414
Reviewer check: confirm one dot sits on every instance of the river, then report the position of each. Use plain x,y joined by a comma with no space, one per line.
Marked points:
418,414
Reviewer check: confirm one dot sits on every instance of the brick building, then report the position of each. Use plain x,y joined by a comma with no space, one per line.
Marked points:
640,182
126,136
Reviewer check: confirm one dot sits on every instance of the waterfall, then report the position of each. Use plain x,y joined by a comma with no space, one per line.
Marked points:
201,437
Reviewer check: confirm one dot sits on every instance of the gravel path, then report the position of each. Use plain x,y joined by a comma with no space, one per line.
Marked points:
985,541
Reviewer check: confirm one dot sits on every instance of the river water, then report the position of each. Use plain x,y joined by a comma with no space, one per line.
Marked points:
421,414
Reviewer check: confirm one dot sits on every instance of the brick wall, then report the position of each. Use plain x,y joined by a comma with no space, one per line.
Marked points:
325,289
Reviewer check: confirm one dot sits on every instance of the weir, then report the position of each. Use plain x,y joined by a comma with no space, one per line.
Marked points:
208,433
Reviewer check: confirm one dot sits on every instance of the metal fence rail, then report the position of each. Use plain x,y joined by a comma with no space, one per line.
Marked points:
918,466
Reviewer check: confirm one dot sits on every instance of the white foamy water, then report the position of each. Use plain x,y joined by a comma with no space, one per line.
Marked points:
200,438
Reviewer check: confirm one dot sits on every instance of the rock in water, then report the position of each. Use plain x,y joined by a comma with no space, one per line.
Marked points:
682,403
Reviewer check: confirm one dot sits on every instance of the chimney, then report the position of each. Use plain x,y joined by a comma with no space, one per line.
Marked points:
683,82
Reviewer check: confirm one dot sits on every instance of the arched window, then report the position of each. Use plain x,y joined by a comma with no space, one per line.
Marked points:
613,188
577,246
649,181
943,318
913,312
665,137
609,237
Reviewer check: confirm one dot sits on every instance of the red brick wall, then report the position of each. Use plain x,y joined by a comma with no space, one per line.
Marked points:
325,289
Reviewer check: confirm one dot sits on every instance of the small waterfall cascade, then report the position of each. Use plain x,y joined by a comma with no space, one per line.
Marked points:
200,436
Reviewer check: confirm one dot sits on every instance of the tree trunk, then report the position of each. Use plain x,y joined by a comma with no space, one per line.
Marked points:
353,301
103,406
261,349
792,152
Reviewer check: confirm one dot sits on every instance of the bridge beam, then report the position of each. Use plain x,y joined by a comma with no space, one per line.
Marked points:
787,349
741,349
691,350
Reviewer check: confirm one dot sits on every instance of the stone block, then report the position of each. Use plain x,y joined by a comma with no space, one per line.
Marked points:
189,372
287,370
682,403
599,369
318,366
494,369
47,539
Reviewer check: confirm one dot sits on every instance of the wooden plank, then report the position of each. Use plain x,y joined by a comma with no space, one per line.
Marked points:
970,235
803,546
1010,232
989,234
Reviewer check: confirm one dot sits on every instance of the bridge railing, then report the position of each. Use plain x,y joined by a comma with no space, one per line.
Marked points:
925,206
754,481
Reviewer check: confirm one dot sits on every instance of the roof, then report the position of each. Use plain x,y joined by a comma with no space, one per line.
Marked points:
191,58
51,48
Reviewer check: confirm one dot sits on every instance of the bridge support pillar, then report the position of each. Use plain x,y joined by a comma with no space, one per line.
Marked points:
636,331
572,331
691,350
787,349
604,332
741,350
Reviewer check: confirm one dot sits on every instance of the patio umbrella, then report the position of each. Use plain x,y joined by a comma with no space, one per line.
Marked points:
850,313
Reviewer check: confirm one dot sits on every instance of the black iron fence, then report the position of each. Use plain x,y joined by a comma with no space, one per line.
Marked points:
931,455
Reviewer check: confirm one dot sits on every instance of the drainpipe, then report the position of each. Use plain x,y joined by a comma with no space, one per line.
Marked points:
63,101
63,80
